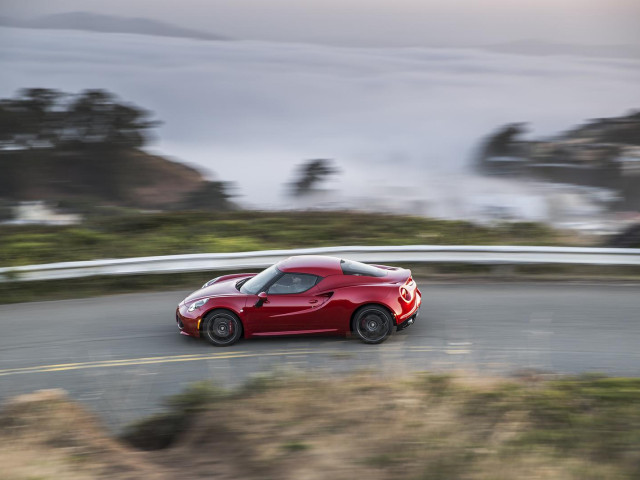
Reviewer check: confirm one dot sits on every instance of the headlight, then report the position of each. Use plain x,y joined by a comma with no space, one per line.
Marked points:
210,282
197,304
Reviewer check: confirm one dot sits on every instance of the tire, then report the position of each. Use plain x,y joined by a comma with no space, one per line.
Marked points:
373,324
221,328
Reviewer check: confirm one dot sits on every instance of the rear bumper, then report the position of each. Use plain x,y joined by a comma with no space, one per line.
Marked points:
409,321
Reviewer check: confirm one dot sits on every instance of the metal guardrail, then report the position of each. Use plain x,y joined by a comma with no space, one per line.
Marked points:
496,255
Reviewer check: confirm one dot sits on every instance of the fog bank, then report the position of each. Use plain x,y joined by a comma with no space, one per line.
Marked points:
391,118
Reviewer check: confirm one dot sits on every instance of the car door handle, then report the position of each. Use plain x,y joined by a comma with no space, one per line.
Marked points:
313,301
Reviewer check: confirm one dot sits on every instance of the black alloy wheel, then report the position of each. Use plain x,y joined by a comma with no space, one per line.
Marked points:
222,328
373,324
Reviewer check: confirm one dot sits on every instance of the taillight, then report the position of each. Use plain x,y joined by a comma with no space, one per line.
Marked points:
405,294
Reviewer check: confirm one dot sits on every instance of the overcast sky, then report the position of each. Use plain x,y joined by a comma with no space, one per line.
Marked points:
393,119
377,22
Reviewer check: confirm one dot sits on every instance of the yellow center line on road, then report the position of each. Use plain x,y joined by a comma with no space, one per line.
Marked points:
71,366
61,367
126,361
152,360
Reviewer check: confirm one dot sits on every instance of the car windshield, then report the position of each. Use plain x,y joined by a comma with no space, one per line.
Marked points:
256,284
349,267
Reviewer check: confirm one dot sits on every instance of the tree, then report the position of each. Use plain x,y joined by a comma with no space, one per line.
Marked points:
95,117
501,143
310,174
46,118
211,196
31,119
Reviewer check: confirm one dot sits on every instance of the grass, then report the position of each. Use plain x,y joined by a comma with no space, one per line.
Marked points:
198,232
295,446
435,426
426,426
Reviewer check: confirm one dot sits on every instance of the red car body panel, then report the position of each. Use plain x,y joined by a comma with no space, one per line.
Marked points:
326,308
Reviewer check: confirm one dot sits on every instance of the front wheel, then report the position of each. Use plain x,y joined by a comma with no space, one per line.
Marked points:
221,328
373,324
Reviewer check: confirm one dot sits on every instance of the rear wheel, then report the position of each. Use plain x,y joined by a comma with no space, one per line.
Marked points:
373,324
221,328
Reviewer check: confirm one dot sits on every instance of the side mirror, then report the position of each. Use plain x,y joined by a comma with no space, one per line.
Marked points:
262,298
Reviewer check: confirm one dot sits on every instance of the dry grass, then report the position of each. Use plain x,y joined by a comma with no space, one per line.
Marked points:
46,436
294,427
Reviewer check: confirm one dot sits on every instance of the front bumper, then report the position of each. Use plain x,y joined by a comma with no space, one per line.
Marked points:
187,326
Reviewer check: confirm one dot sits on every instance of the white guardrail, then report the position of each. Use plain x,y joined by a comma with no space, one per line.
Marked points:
497,255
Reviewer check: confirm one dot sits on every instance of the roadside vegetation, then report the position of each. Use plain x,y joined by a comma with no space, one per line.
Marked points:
137,234
363,426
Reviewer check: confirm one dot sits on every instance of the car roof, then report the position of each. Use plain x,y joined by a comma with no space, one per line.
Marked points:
314,264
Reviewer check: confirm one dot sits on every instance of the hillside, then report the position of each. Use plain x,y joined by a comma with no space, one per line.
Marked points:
127,178
95,22
87,149
602,153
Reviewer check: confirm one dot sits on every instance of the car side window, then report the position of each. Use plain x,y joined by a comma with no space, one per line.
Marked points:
293,283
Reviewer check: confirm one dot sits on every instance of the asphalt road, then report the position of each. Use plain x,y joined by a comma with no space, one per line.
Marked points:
122,354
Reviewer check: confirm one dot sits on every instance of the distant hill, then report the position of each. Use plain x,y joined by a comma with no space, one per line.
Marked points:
129,178
542,48
603,153
94,22
87,149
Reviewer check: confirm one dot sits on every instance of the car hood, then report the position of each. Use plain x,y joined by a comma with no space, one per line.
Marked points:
222,288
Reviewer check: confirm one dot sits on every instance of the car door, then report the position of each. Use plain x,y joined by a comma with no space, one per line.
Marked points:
288,308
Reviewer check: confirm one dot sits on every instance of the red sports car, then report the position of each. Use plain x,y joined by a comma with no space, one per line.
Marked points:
303,295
